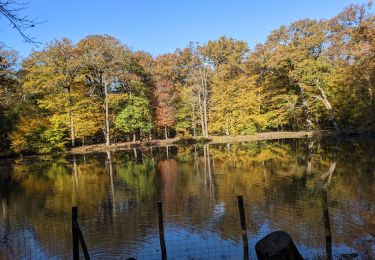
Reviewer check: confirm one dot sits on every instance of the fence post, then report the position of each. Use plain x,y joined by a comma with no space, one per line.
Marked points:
161,231
243,227
75,233
82,241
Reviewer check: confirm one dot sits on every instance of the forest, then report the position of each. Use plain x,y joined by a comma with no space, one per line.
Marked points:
308,75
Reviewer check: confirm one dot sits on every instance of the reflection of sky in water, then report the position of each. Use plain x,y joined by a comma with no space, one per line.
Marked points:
187,244
199,193
30,243
181,243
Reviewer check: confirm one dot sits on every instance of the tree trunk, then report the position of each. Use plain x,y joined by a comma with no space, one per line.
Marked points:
107,137
72,134
328,106
193,122
306,109
205,101
71,117
134,137
226,127
201,112
205,118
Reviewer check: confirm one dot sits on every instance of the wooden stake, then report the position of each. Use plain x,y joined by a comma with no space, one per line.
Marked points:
75,233
161,231
243,227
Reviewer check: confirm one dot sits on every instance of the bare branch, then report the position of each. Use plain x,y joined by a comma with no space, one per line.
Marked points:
11,11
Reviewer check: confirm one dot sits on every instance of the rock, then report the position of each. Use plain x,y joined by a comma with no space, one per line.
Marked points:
276,246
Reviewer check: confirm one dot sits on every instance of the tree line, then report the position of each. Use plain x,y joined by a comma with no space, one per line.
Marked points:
311,74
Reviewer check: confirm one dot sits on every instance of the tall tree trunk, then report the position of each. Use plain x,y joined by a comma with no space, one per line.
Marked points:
71,117
226,128
193,122
201,112
306,108
134,137
205,101
107,137
205,117
328,106
72,134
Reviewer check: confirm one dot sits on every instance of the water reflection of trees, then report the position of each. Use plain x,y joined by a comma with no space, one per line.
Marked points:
116,193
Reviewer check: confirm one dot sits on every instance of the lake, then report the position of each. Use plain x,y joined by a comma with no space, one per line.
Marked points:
320,191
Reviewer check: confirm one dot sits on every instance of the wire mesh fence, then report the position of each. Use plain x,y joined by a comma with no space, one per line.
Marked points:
116,195
123,230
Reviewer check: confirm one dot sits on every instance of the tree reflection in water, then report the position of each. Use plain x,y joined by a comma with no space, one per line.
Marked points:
285,185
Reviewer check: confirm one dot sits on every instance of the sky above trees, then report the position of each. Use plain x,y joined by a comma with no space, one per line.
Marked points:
161,26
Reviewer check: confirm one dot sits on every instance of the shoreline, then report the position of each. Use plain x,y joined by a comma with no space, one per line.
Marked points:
200,139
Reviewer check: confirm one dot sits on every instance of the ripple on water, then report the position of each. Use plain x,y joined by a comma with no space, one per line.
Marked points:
200,205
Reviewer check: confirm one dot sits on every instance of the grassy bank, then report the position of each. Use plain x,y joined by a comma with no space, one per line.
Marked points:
194,140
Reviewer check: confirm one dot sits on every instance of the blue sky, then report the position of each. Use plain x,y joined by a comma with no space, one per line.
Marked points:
161,26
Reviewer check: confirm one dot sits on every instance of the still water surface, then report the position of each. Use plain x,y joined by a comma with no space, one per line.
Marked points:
319,191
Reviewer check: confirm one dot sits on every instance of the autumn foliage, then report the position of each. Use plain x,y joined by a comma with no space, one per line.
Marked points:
311,74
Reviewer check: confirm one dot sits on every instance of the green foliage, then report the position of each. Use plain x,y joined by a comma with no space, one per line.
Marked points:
135,116
307,75
55,136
